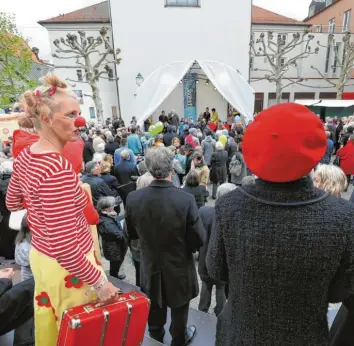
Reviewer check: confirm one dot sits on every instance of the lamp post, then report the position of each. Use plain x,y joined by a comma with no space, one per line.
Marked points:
139,79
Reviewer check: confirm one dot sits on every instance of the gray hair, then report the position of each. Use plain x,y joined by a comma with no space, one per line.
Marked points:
219,146
6,167
106,203
159,162
249,180
84,136
91,166
110,139
225,188
125,155
192,178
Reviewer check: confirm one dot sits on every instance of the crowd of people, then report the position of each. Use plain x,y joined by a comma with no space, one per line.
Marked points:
278,246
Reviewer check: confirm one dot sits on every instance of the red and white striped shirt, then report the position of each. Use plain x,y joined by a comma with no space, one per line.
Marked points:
55,202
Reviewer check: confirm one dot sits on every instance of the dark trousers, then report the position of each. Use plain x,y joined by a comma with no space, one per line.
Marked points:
137,272
205,297
114,267
16,304
179,319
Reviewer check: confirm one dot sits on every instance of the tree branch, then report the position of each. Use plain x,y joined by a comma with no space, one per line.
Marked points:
323,76
76,81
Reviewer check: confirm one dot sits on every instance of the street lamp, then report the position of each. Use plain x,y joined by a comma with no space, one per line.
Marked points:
139,79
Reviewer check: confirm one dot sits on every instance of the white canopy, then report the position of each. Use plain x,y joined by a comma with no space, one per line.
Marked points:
160,84
327,103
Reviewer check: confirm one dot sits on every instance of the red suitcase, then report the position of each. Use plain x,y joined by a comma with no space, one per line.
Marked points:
121,323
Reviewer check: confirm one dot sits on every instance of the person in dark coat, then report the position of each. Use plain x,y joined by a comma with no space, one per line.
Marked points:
168,136
88,148
7,235
188,152
98,186
124,172
111,146
207,215
110,180
218,172
194,188
231,149
285,248
111,231
167,223
183,134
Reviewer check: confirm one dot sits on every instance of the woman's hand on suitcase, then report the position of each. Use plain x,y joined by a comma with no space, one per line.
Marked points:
108,293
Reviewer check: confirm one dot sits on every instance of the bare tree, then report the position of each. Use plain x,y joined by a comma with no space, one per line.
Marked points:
343,61
81,48
275,48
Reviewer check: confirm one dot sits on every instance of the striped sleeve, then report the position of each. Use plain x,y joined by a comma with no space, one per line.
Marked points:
14,195
57,196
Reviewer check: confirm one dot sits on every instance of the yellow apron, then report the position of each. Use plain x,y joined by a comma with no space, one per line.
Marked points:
56,290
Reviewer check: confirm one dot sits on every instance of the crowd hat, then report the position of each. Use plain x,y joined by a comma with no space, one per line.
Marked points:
284,143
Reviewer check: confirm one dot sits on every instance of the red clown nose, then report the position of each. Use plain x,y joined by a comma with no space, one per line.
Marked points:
80,122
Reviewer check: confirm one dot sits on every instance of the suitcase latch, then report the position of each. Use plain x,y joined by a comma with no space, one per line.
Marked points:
133,296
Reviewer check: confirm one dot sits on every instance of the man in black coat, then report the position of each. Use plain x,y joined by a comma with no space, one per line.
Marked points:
88,148
168,136
167,223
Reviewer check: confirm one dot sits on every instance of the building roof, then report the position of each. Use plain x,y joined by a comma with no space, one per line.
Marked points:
263,16
99,13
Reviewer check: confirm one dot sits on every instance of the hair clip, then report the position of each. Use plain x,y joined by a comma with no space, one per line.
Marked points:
37,93
52,90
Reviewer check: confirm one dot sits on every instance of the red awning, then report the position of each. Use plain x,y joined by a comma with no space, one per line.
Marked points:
348,96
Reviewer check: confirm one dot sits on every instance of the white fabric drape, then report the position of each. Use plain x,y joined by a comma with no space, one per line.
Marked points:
157,87
160,84
231,85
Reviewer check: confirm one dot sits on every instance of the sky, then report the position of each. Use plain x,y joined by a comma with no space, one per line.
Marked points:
28,13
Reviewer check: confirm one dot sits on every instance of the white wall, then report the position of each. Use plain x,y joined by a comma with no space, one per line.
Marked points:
108,90
206,97
151,35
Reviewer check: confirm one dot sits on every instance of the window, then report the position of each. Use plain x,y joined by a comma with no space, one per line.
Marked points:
79,96
328,56
346,20
332,26
328,96
251,63
319,28
328,2
282,62
79,75
110,74
183,3
92,113
282,39
312,11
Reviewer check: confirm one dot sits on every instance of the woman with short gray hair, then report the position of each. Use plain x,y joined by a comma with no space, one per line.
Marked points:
207,214
113,241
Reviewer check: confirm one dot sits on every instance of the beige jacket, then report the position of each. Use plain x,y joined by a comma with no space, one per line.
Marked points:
203,174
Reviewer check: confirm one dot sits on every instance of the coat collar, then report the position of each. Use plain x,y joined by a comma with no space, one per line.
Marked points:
161,183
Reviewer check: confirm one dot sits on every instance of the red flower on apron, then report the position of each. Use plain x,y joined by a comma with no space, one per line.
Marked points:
43,300
73,282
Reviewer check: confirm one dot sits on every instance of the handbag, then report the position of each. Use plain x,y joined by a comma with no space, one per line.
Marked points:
16,218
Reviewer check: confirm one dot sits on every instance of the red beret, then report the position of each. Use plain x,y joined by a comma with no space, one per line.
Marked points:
284,143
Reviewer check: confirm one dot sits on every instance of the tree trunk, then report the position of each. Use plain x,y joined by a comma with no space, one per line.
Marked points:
340,92
97,100
278,91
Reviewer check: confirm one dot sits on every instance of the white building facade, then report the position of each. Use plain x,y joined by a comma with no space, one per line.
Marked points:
314,85
154,33
68,69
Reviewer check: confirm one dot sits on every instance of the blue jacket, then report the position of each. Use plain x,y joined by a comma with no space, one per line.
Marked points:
134,144
327,158
117,155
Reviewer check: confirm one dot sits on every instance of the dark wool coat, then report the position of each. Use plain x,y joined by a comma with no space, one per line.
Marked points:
207,214
88,152
167,223
198,192
110,148
283,263
114,245
218,172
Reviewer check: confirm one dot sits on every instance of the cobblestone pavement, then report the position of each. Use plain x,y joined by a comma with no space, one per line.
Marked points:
129,270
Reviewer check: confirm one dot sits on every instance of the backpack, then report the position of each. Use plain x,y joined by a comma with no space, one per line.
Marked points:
235,166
